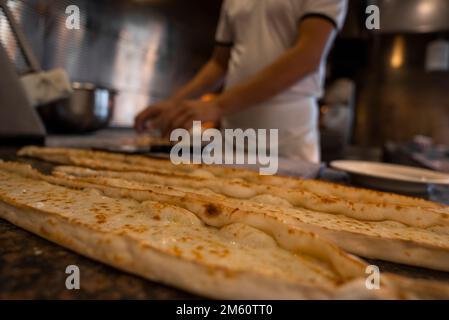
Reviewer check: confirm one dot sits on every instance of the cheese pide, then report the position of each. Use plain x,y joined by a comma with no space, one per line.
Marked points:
123,162
255,258
172,245
377,225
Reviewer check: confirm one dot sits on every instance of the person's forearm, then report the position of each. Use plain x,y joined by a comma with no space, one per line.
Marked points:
314,42
286,71
209,77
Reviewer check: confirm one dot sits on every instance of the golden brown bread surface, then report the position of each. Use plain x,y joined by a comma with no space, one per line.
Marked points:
166,243
172,245
378,208
130,162
395,232
274,195
387,239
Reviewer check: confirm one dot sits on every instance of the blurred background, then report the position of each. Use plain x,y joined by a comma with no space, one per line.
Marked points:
387,89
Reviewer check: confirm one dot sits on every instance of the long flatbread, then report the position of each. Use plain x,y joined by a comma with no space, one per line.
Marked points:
369,211
103,160
386,240
171,245
282,197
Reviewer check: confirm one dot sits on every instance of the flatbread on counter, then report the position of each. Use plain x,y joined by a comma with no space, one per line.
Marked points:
400,233
95,160
172,245
284,197
385,239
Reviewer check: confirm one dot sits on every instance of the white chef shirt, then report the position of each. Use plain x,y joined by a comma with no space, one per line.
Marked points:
259,31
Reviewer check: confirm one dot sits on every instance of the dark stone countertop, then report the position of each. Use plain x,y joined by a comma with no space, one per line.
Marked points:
34,268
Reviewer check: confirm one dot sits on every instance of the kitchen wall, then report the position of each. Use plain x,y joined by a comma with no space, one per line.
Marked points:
397,98
145,51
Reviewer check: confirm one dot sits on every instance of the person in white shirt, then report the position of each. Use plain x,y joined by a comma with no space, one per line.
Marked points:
271,55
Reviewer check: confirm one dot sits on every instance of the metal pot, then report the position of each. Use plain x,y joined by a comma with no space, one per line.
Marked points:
89,108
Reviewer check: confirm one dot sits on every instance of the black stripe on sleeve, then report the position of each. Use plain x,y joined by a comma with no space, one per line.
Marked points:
224,44
320,16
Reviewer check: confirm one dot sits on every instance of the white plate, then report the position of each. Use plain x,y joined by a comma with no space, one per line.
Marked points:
391,177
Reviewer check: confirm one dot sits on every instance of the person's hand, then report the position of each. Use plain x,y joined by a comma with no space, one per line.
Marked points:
145,120
184,113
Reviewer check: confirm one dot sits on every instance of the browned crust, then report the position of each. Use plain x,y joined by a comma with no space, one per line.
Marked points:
216,281
218,212
64,156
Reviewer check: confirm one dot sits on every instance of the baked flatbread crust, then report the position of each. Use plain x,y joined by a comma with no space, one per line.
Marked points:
172,245
400,231
383,239
321,188
386,240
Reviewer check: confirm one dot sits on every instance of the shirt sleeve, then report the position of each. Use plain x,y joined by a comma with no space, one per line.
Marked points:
332,10
224,35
